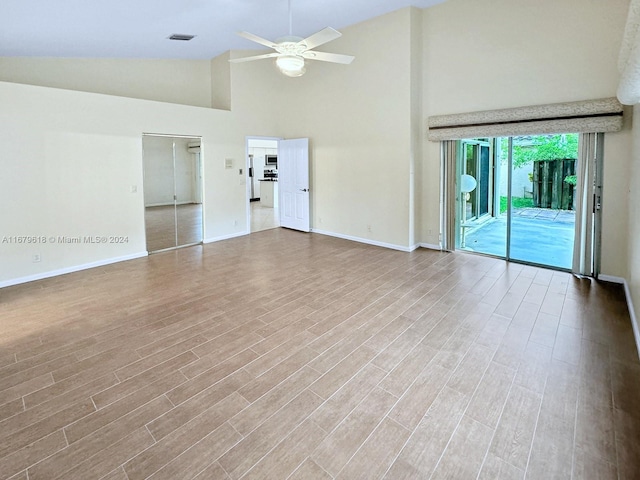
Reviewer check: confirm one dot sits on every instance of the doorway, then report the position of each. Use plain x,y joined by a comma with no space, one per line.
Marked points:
262,184
172,167
521,204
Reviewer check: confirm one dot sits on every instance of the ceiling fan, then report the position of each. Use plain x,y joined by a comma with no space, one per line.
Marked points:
291,51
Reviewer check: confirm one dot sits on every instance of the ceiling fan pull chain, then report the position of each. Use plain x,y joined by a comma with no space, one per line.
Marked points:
290,20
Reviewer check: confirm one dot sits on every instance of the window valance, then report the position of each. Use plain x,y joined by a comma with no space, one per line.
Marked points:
603,115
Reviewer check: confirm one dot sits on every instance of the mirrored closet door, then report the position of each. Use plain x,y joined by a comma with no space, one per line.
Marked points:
172,191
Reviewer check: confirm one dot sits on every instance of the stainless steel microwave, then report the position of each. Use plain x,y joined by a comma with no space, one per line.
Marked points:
271,160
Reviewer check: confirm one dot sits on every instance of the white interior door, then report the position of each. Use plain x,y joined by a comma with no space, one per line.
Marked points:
293,183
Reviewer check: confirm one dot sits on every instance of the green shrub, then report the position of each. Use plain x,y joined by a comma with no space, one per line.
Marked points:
516,202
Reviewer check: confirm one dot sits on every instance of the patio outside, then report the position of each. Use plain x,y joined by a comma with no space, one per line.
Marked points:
542,202
538,235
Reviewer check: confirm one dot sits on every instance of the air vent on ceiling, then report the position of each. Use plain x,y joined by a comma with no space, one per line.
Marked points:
179,36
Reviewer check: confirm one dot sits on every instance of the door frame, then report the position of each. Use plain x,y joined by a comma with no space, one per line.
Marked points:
247,192
597,215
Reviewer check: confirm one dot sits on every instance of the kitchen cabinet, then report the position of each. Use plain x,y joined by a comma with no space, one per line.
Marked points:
269,193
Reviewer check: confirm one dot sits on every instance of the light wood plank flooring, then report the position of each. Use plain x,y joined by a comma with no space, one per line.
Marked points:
288,355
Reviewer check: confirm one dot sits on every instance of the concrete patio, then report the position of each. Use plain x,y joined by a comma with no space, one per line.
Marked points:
538,235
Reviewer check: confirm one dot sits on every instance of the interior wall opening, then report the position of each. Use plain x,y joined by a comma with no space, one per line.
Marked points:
262,184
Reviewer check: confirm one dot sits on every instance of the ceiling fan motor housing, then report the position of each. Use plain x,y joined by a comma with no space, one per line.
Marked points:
290,46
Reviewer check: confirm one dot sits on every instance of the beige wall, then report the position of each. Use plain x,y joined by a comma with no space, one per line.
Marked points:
358,118
187,82
260,96
221,82
615,204
489,54
68,164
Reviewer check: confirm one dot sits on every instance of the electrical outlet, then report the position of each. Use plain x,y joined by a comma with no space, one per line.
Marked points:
369,228
235,223
36,258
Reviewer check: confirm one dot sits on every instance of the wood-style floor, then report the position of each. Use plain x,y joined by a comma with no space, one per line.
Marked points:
289,355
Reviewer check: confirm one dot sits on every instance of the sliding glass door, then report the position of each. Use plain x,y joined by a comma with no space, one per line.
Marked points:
522,206
478,186
542,205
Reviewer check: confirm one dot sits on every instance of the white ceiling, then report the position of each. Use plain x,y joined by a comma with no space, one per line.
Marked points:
139,28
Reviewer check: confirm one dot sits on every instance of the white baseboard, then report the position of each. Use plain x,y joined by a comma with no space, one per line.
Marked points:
224,237
632,311
612,279
430,246
75,268
171,204
365,240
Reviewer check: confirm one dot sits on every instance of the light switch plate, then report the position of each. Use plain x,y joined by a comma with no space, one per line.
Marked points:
228,163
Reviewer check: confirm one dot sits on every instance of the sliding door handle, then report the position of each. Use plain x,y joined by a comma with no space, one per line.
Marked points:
304,189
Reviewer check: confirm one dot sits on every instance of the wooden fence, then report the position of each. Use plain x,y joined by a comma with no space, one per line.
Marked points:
549,188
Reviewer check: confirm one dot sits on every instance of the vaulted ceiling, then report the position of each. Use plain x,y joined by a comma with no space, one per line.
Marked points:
139,28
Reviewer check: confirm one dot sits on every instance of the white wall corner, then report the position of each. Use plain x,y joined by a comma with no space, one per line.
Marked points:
431,246
632,311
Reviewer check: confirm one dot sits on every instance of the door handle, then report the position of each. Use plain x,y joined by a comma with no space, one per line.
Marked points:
304,189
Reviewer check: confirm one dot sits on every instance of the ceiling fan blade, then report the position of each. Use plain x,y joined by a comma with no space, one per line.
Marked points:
255,57
329,57
320,38
257,39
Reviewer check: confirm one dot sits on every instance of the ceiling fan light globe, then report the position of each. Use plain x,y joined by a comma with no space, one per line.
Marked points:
296,73
291,65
